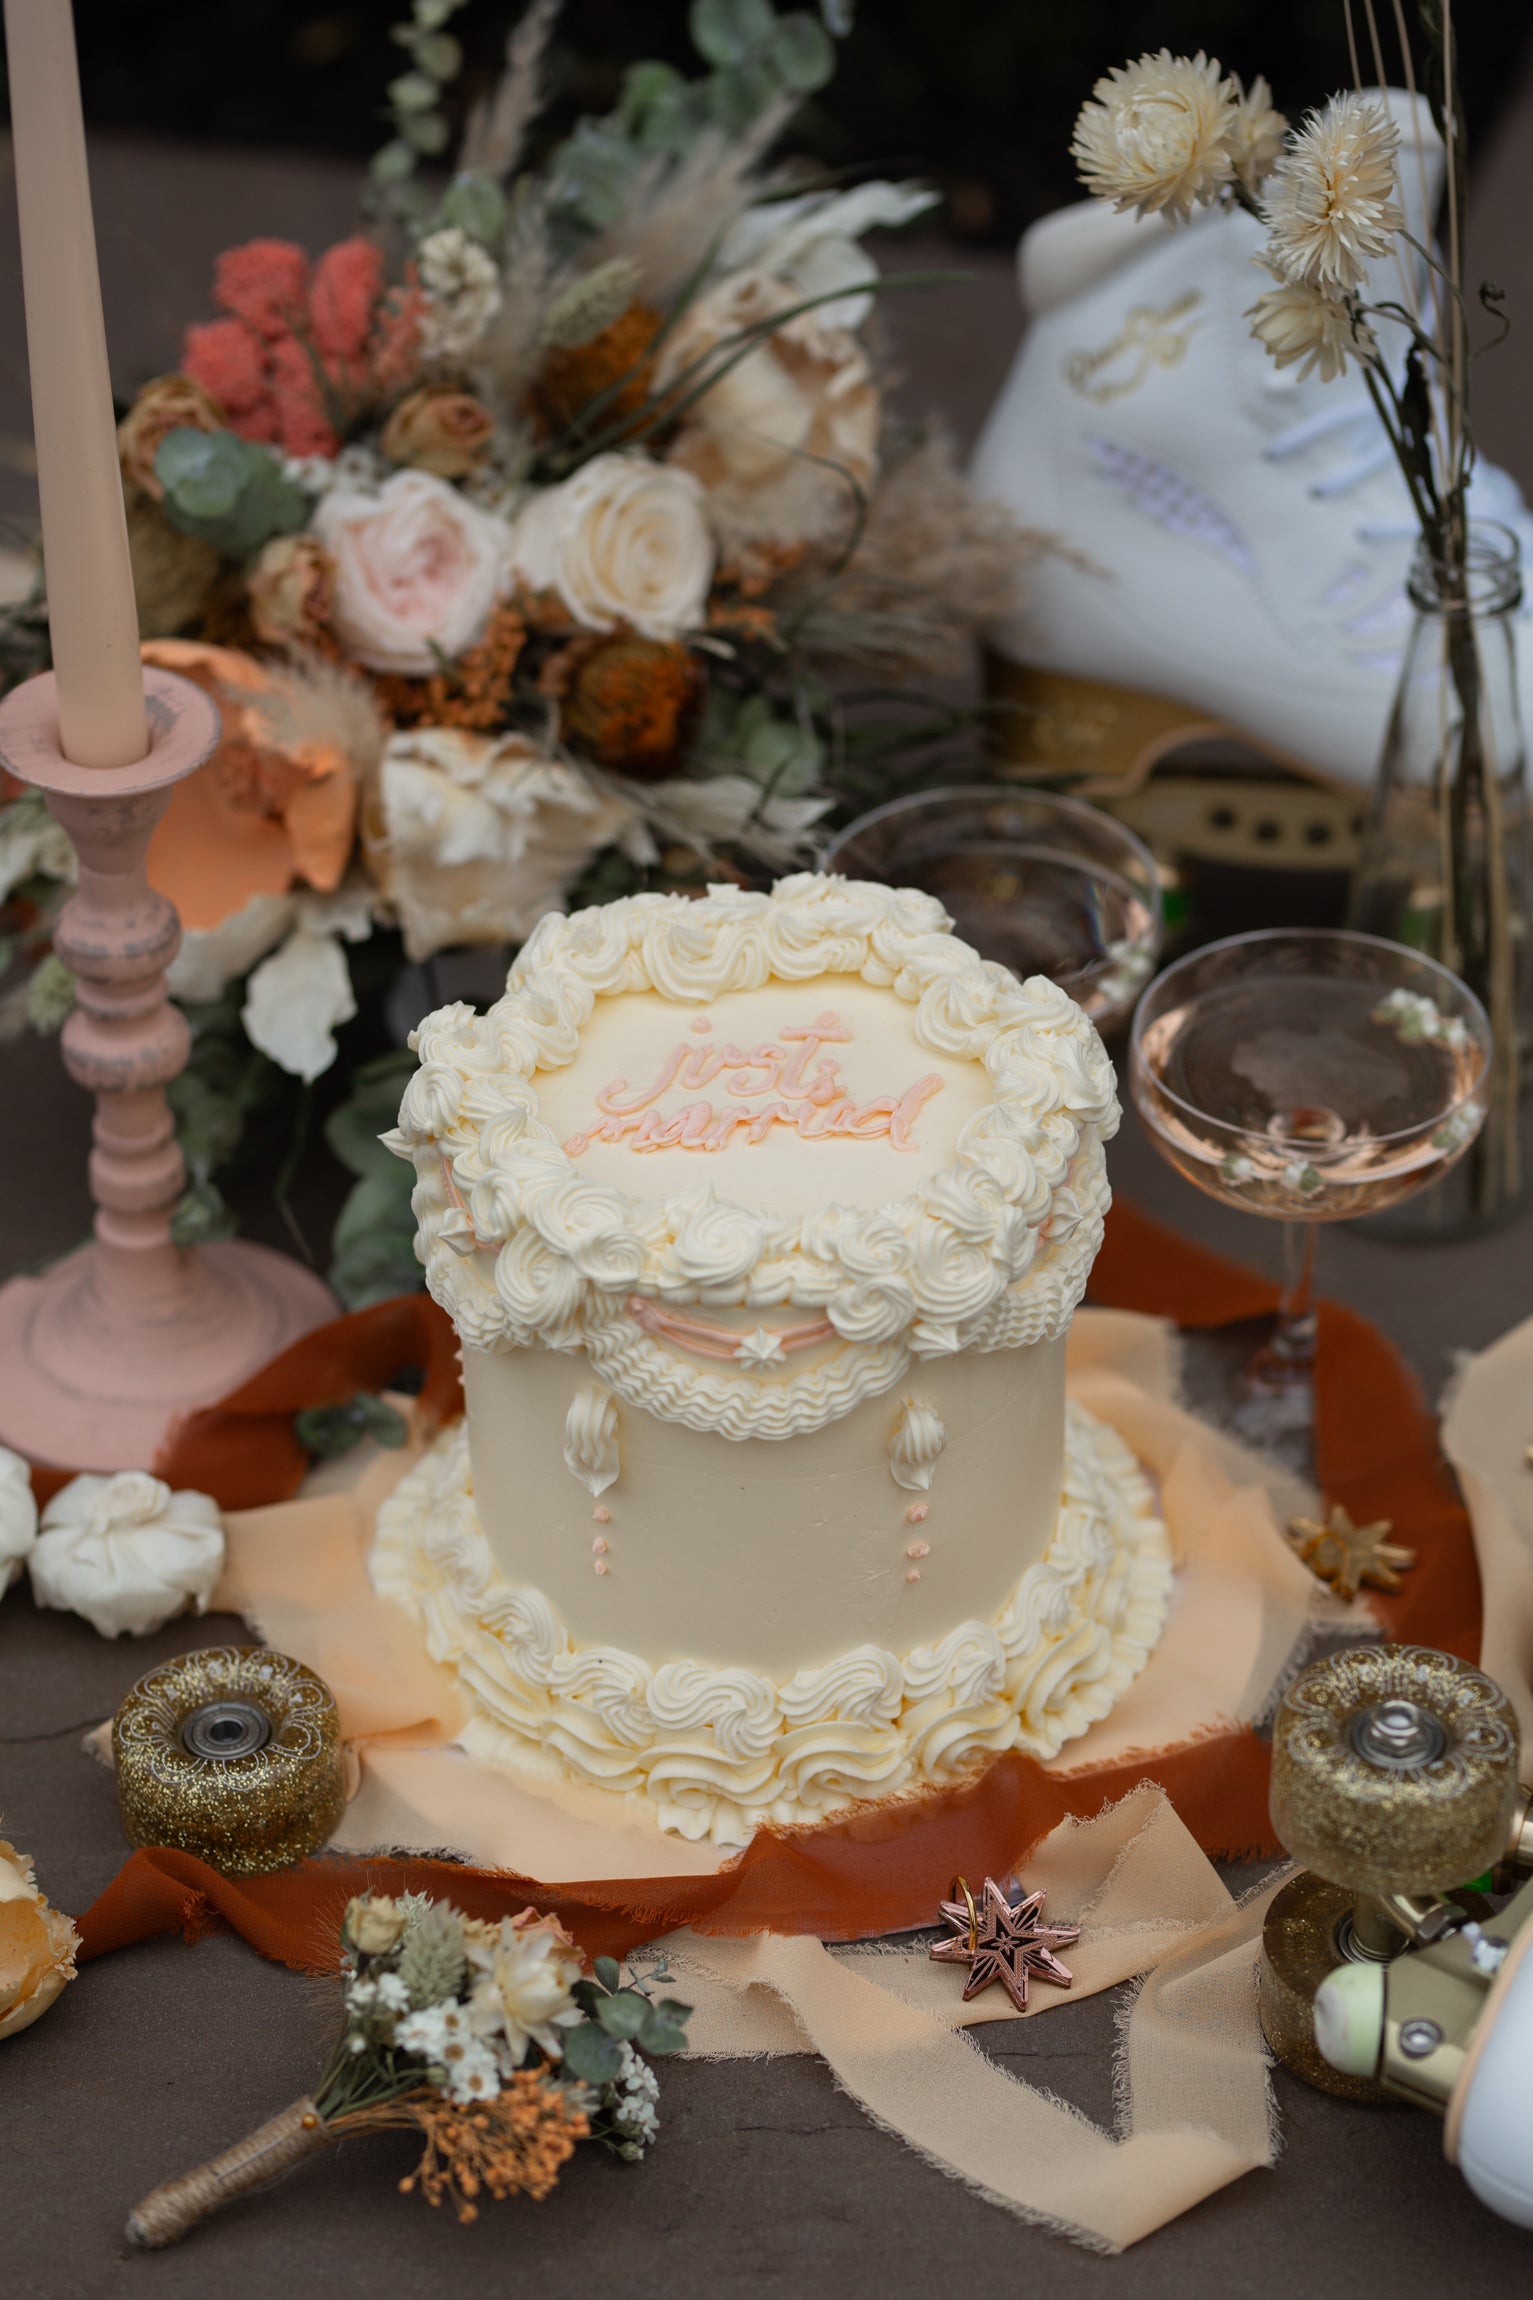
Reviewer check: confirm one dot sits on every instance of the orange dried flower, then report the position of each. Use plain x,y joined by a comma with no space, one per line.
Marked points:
574,374
475,693
631,703
513,2144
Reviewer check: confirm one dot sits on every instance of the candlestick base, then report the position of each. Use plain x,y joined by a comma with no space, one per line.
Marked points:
100,1355
97,1361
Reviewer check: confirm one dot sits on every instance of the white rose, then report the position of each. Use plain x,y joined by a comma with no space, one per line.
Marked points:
623,542
18,1516
771,437
474,838
417,570
127,1553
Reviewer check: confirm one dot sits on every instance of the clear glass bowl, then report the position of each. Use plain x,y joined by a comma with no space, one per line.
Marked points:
1045,885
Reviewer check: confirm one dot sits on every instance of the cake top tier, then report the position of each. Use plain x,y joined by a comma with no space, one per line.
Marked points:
817,1096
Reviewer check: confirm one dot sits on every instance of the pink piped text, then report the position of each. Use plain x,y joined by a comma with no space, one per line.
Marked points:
787,1081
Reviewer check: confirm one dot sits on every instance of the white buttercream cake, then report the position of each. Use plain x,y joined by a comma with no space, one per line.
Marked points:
762,1219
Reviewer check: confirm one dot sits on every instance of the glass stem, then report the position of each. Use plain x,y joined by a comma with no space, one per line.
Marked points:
1293,1343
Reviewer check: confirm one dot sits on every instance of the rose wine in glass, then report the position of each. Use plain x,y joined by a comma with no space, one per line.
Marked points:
1307,1076
1043,885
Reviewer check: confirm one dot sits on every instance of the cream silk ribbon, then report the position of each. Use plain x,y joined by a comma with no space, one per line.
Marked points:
1195,2108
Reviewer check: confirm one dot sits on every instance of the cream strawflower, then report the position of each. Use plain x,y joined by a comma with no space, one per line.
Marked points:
1256,139
1330,204
623,542
463,290
527,1966
1298,322
1157,134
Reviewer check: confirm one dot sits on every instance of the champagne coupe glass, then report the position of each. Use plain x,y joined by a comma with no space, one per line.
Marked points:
1308,1076
1045,885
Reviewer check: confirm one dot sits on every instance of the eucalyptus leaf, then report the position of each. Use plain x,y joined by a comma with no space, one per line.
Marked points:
440,55
477,207
201,1215
328,1432
591,2054
623,2015
425,132
724,31
392,164
226,490
608,1971
739,94
412,92
663,2031
373,1243
801,54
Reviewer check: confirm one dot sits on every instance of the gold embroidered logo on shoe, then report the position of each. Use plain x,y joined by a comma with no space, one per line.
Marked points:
1147,339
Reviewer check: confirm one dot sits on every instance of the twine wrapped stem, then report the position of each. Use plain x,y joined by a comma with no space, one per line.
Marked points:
268,2154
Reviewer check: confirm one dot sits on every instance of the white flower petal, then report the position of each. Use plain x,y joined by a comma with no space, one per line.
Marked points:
294,1001
219,954
18,1516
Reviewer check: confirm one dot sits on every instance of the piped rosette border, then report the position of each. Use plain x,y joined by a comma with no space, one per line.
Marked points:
990,1252
717,1752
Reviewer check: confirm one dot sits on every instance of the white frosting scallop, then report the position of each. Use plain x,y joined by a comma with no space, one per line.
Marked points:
590,1439
915,1444
989,1251
718,1751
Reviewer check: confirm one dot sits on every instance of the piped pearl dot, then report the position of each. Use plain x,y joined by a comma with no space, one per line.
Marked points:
918,1549
599,1546
701,1022
916,1514
601,1514
600,1566
914,1574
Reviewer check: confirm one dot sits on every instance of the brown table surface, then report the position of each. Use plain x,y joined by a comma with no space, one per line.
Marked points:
766,2179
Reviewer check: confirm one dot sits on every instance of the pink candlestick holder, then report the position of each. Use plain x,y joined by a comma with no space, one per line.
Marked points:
103,1352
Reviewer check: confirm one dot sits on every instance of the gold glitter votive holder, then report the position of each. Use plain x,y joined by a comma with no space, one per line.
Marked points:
233,1754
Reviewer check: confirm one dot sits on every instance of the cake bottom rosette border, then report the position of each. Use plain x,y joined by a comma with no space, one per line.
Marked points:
718,1752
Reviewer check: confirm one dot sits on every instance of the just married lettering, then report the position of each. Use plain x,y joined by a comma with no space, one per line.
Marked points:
786,1081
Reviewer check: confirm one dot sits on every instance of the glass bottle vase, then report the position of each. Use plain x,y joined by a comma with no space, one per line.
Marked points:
1445,864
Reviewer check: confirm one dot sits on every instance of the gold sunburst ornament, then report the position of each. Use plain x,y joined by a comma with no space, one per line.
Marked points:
1346,1556
999,1942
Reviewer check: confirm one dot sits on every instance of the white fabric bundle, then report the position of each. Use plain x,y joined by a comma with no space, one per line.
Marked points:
127,1553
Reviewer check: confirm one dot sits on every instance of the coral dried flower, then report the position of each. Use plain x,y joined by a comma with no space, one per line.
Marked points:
573,375
265,283
631,704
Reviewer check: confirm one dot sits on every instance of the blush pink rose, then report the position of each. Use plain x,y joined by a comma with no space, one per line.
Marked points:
418,569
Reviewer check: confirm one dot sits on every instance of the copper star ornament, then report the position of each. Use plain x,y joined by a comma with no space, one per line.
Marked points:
999,1942
1346,1556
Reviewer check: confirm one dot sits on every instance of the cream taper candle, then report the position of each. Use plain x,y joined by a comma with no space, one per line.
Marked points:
91,610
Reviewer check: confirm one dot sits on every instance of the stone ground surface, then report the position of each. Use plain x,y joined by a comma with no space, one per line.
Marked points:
767,2180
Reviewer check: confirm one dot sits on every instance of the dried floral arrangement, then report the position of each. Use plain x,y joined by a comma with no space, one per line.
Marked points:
488,2040
548,541
1170,134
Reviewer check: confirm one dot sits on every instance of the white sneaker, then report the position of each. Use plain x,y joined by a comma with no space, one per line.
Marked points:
1242,538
